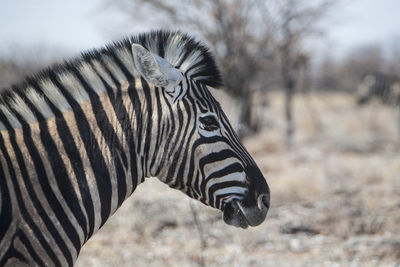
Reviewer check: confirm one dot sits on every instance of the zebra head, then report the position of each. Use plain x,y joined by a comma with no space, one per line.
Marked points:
202,156
381,86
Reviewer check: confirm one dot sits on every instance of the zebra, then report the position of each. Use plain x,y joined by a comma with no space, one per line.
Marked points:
376,84
382,86
77,138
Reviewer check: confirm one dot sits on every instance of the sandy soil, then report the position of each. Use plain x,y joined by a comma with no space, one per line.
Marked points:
335,199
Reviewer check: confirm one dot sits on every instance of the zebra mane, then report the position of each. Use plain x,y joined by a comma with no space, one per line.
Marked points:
183,52
179,49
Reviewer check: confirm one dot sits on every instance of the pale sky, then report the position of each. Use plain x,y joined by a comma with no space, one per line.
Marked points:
76,24
359,22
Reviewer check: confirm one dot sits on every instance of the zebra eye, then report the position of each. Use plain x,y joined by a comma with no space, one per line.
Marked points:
208,123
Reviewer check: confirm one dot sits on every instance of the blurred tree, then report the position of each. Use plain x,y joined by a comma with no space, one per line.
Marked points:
21,61
358,63
293,22
394,58
257,42
326,76
346,73
12,71
232,28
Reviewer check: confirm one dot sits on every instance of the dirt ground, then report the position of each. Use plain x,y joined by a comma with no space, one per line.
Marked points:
335,199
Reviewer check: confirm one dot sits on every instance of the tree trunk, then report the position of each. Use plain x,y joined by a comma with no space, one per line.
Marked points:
398,122
246,121
289,92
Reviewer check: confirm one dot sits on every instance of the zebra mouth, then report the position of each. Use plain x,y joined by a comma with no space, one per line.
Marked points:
236,213
233,215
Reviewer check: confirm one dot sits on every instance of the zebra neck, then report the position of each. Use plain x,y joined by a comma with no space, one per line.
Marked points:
83,133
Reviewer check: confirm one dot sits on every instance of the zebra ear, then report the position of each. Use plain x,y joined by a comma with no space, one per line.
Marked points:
155,69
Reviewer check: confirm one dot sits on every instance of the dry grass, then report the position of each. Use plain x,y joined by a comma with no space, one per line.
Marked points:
335,200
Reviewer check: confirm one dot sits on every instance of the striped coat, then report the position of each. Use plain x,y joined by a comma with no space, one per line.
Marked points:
77,138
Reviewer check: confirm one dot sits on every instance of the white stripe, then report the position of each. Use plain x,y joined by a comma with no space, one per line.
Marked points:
74,87
174,50
10,117
103,73
22,108
229,190
39,102
92,78
115,70
54,95
125,56
214,166
238,176
152,45
191,60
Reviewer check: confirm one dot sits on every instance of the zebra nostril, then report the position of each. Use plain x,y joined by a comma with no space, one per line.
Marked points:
263,201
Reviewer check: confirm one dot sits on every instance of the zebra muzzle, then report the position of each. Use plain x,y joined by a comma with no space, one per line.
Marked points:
238,214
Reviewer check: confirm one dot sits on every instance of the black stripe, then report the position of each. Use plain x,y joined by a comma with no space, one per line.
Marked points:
220,198
22,237
181,181
108,134
170,129
212,157
200,94
234,140
63,185
128,74
60,174
149,120
177,141
201,107
6,209
182,91
202,141
76,162
232,168
79,171
159,127
183,58
222,185
123,116
192,190
25,215
12,253
137,105
135,101
191,158
94,153
161,44
216,156
197,183
200,98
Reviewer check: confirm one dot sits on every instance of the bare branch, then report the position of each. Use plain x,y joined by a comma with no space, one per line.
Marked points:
250,37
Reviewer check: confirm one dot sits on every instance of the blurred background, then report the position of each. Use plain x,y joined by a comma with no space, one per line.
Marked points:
311,86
